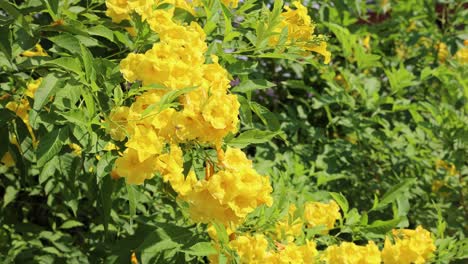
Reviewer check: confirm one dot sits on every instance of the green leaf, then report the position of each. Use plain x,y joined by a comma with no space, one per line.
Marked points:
381,227
254,136
107,188
70,224
132,201
76,117
341,201
252,85
102,31
9,196
394,192
48,170
50,145
88,64
400,78
167,100
201,249
68,42
10,9
48,87
268,118
66,63
52,7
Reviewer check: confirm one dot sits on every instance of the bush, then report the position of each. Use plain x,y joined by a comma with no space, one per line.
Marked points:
123,124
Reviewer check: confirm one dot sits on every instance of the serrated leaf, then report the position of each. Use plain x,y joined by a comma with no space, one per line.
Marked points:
66,63
88,64
102,31
132,201
268,118
381,227
48,170
50,145
254,136
9,196
107,188
48,87
201,249
167,100
341,201
392,194
70,224
68,42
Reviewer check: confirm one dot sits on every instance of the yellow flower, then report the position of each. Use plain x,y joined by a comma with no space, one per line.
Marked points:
350,253
462,55
293,253
37,52
320,49
146,142
230,194
251,249
76,148
170,166
32,87
117,10
221,112
21,109
301,31
110,146
442,52
436,185
117,122
8,160
290,227
132,169
316,214
231,3
133,258
366,42
410,246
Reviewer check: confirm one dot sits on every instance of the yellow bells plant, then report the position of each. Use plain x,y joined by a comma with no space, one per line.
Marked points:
350,253
38,51
409,246
300,30
321,214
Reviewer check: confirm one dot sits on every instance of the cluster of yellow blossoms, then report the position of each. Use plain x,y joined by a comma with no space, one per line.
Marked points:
205,113
21,109
301,31
156,131
348,252
411,246
461,55
254,249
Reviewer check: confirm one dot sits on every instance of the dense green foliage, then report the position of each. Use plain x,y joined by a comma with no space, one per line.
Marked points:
382,129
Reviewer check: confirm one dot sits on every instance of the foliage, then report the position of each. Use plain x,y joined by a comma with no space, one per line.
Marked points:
380,132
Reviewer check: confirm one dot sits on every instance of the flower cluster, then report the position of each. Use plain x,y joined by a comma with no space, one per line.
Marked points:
205,113
348,253
254,249
22,107
290,227
231,193
38,51
300,30
411,246
120,10
321,214
462,54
